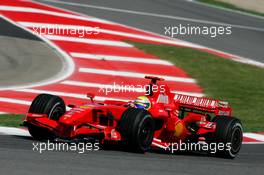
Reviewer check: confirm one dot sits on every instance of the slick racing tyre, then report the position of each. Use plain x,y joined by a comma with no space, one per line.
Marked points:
51,105
228,131
137,129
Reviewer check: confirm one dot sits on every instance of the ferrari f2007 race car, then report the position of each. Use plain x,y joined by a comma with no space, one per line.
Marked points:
161,115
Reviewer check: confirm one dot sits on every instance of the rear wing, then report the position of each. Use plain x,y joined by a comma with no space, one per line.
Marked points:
203,104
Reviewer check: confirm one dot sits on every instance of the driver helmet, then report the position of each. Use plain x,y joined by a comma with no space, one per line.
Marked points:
142,102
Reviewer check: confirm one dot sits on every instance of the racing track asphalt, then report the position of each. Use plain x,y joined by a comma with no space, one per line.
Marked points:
17,157
243,42
24,59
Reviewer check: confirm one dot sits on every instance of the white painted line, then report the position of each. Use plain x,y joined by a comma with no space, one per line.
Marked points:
134,74
156,15
120,58
119,86
254,136
14,131
88,41
248,61
67,69
15,101
65,94
160,39
53,13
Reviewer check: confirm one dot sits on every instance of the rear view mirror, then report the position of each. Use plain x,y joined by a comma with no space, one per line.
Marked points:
91,96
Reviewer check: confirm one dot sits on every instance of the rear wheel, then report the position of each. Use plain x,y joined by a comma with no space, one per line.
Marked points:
230,132
137,129
51,105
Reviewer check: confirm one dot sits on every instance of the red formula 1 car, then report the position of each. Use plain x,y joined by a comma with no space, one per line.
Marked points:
159,118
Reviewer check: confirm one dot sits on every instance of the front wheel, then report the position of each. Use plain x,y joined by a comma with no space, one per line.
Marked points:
48,104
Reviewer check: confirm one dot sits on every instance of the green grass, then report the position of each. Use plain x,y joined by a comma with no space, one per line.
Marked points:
230,6
11,120
240,84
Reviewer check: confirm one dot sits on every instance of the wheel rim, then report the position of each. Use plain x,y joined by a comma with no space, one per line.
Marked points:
56,113
236,139
145,134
